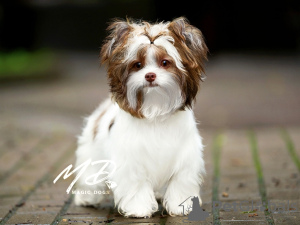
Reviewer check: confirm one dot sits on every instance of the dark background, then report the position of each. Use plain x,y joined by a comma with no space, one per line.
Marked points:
271,27
49,58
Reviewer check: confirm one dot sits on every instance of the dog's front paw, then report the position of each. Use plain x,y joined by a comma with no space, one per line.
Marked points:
87,199
179,207
139,209
175,209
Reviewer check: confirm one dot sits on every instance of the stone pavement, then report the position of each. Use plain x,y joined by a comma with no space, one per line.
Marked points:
248,112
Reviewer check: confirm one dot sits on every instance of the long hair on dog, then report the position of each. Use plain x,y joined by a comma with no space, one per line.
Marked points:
147,128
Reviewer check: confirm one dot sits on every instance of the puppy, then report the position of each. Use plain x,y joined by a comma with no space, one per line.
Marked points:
146,129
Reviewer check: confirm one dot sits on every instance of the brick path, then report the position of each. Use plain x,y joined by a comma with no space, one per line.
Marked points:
249,112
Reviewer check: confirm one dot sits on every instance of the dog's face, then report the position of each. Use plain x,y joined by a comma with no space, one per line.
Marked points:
154,69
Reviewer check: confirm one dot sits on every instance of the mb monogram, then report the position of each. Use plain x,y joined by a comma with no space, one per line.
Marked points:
93,178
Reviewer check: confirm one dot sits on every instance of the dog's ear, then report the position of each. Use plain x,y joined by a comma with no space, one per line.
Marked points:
118,33
192,41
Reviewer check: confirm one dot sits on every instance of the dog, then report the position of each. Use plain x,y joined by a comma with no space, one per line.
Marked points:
146,128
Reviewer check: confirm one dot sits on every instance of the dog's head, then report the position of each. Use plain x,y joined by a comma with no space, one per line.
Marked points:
154,69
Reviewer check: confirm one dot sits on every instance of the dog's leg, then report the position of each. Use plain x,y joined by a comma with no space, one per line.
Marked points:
135,198
185,183
182,186
88,195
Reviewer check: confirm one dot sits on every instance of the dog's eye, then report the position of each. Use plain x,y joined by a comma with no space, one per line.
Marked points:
138,65
165,63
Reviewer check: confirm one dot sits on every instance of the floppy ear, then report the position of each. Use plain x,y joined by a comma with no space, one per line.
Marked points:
191,39
119,30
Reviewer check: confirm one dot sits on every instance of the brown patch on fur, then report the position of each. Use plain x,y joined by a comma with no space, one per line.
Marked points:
111,124
152,38
96,124
114,44
146,33
112,54
118,74
141,57
136,112
190,45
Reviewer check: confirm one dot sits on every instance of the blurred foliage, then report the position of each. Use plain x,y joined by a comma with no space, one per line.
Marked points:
25,64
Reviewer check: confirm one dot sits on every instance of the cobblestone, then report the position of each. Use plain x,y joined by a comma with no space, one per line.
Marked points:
39,123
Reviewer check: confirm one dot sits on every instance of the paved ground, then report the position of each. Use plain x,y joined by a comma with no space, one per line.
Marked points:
248,111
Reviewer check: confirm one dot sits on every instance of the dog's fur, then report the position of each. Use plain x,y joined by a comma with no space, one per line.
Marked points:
147,127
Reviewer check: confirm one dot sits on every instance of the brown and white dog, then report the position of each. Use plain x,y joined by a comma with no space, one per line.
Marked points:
147,129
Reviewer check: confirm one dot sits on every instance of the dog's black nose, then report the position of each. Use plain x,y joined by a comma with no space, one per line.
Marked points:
150,77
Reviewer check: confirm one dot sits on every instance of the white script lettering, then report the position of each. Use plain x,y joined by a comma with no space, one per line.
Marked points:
90,180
